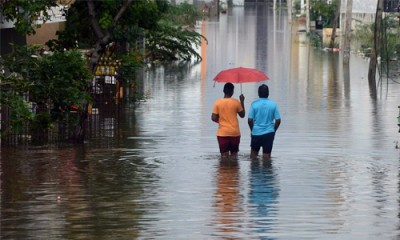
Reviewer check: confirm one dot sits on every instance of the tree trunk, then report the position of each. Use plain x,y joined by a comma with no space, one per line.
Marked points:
375,48
334,24
79,133
347,32
40,127
103,38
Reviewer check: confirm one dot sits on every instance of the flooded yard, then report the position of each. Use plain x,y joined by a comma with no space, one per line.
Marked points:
154,171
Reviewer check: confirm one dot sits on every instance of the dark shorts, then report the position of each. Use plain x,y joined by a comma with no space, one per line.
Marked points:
265,141
228,144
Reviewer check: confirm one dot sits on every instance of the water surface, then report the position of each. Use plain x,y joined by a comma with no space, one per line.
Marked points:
154,171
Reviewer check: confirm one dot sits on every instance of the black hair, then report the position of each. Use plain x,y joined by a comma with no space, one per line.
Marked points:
228,89
263,91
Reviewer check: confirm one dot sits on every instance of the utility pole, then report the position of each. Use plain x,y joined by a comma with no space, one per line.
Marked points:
308,16
347,32
289,7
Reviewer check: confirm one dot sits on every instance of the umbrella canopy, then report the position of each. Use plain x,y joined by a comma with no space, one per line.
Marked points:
241,75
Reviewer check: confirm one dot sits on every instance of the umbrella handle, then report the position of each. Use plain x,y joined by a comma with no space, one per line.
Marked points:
240,88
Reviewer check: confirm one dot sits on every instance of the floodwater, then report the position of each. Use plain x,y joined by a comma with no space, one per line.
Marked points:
154,172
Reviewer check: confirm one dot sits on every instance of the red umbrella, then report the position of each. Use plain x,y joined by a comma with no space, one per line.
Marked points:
241,75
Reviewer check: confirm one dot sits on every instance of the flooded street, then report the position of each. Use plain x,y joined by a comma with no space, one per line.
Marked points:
155,173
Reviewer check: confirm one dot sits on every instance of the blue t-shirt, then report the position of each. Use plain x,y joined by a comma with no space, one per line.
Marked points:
264,112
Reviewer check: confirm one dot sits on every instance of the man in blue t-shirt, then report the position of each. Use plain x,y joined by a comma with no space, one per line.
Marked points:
264,119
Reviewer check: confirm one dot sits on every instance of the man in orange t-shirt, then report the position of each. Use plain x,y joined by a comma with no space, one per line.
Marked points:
224,113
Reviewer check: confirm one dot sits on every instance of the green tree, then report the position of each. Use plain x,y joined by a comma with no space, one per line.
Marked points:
52,83
323,9
183,14
170,43
139,19
24,13
173,38
97,24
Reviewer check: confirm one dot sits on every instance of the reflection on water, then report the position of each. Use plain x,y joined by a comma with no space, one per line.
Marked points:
227,199
153,170
263,197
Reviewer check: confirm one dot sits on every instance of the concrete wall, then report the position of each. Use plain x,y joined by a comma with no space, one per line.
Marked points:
45,33
361,6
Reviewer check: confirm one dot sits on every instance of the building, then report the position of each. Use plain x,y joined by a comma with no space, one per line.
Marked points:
45,32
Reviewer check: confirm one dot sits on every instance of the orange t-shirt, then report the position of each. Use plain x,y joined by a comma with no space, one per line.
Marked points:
227,109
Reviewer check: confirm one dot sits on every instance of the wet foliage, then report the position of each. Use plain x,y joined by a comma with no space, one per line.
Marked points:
40,89
167,28
25,13
390,45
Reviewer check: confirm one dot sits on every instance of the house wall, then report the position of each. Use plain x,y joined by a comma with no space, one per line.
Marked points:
363,12
361,6
45,33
